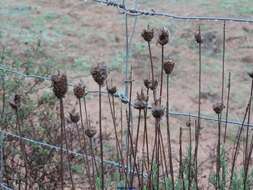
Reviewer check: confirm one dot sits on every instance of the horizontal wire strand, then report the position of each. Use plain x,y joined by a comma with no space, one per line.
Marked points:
125,100
138,12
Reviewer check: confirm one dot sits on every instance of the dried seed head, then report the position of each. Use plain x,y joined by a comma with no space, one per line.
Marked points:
99,73
188,123
111,89
74,117
147,83
198,38
218,107
60,86
90,132
250,74
79,91
157,111
148,34
150,85
15,102
141,101
163,37
168,66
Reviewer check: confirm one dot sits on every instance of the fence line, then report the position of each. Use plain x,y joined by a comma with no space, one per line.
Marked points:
4,187
124,99
139,12
57,148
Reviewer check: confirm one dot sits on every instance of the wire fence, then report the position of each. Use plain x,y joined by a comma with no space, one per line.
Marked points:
123,96
124,99
138,12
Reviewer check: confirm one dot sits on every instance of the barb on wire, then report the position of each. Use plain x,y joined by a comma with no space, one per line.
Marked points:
138,12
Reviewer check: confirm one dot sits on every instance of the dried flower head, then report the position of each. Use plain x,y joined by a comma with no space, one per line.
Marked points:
163,37
148,34
188,123
74,117
198,38
15,102
218,107
111,89
157,111
250,74
99,73
141,101
79,91
150,85
90,132
168,66
60,86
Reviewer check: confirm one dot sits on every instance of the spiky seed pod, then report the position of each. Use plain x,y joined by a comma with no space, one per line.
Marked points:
148,34
157,111
163,37
99,73
168,66
150,85
218,107
147,83
60,85
250,74
15,103
111,89
141,101
198,38
74,117
79,91
90,132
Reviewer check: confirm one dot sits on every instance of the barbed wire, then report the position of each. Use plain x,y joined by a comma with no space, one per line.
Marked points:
4,187
139,12
125,100
70,152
